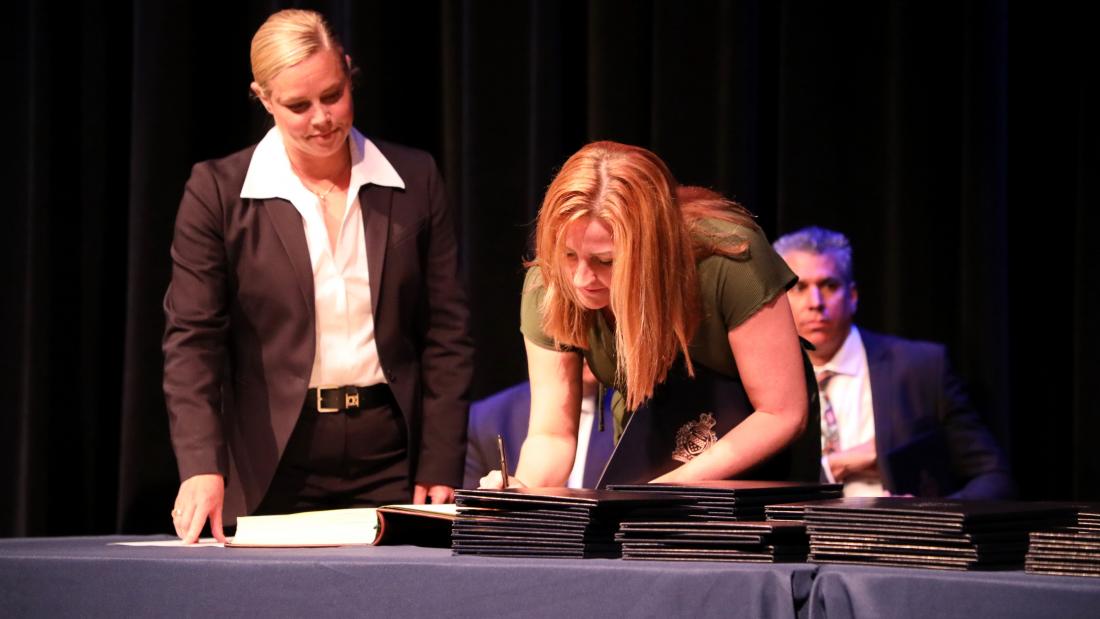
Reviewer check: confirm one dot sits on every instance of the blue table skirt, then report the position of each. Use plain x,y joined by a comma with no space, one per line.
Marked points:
896,592
60,577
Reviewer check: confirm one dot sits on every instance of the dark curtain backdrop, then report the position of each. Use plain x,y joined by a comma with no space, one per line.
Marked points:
955,143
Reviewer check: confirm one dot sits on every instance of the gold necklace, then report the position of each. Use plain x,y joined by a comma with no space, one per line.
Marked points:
321,197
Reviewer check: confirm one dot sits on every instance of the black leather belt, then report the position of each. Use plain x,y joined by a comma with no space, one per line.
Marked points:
339,399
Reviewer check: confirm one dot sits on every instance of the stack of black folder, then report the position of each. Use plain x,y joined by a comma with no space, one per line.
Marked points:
738,499
552,522
941,533
787,511
1070,551
757,542
1088,518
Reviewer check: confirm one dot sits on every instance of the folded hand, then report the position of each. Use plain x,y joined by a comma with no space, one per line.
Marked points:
853,461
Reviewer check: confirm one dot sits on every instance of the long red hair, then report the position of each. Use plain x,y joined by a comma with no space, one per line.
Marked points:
654,293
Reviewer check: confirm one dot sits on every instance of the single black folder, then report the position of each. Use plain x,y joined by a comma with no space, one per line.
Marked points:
687,414
420,525
739,499
768,542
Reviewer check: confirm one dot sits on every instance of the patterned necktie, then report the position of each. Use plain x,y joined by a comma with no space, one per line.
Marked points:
830,431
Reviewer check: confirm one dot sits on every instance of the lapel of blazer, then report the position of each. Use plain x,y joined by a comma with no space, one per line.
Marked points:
288,225
375,202
880,368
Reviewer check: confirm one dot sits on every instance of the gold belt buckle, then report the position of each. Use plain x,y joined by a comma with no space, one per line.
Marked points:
351,400
320,407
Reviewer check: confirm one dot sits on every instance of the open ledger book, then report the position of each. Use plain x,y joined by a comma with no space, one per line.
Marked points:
420,525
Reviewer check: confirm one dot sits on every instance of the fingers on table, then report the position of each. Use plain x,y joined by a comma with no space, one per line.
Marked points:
188,522
216,526
442,495
180,519
194,526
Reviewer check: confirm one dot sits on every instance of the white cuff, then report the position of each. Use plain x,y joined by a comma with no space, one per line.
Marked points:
828,470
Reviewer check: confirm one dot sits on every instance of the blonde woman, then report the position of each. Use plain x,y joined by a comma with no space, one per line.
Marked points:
316,348
631,274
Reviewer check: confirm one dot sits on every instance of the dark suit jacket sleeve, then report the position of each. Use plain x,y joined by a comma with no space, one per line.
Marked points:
975,453
197,321
446,358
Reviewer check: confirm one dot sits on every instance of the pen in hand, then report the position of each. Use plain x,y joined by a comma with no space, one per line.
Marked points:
503,462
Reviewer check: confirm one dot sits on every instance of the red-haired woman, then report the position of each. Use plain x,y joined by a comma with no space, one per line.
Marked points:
633,274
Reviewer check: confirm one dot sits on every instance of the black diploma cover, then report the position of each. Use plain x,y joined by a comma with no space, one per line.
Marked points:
687,414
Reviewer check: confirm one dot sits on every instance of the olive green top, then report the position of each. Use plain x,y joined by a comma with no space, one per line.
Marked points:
730,289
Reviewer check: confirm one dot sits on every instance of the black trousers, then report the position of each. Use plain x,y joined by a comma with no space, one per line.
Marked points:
357,457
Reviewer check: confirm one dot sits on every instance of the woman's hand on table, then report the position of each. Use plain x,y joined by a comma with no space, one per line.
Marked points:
200,498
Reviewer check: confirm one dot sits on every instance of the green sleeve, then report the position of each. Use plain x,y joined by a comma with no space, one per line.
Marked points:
739,287
530,317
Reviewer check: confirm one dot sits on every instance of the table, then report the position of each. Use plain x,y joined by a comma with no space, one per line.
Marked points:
64,577
901,593
89,577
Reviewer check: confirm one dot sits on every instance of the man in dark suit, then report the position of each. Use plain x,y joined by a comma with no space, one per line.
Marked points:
895,419
507,413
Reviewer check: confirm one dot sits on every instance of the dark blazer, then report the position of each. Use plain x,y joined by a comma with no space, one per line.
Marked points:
239,340
507,413
920,405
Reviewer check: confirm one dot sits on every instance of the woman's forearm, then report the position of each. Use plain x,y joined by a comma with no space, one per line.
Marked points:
546,459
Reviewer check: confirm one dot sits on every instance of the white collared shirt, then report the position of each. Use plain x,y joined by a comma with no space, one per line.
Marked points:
584,435
346,352
849,392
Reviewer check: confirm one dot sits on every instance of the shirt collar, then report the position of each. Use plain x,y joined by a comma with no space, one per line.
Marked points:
270,175
848,359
